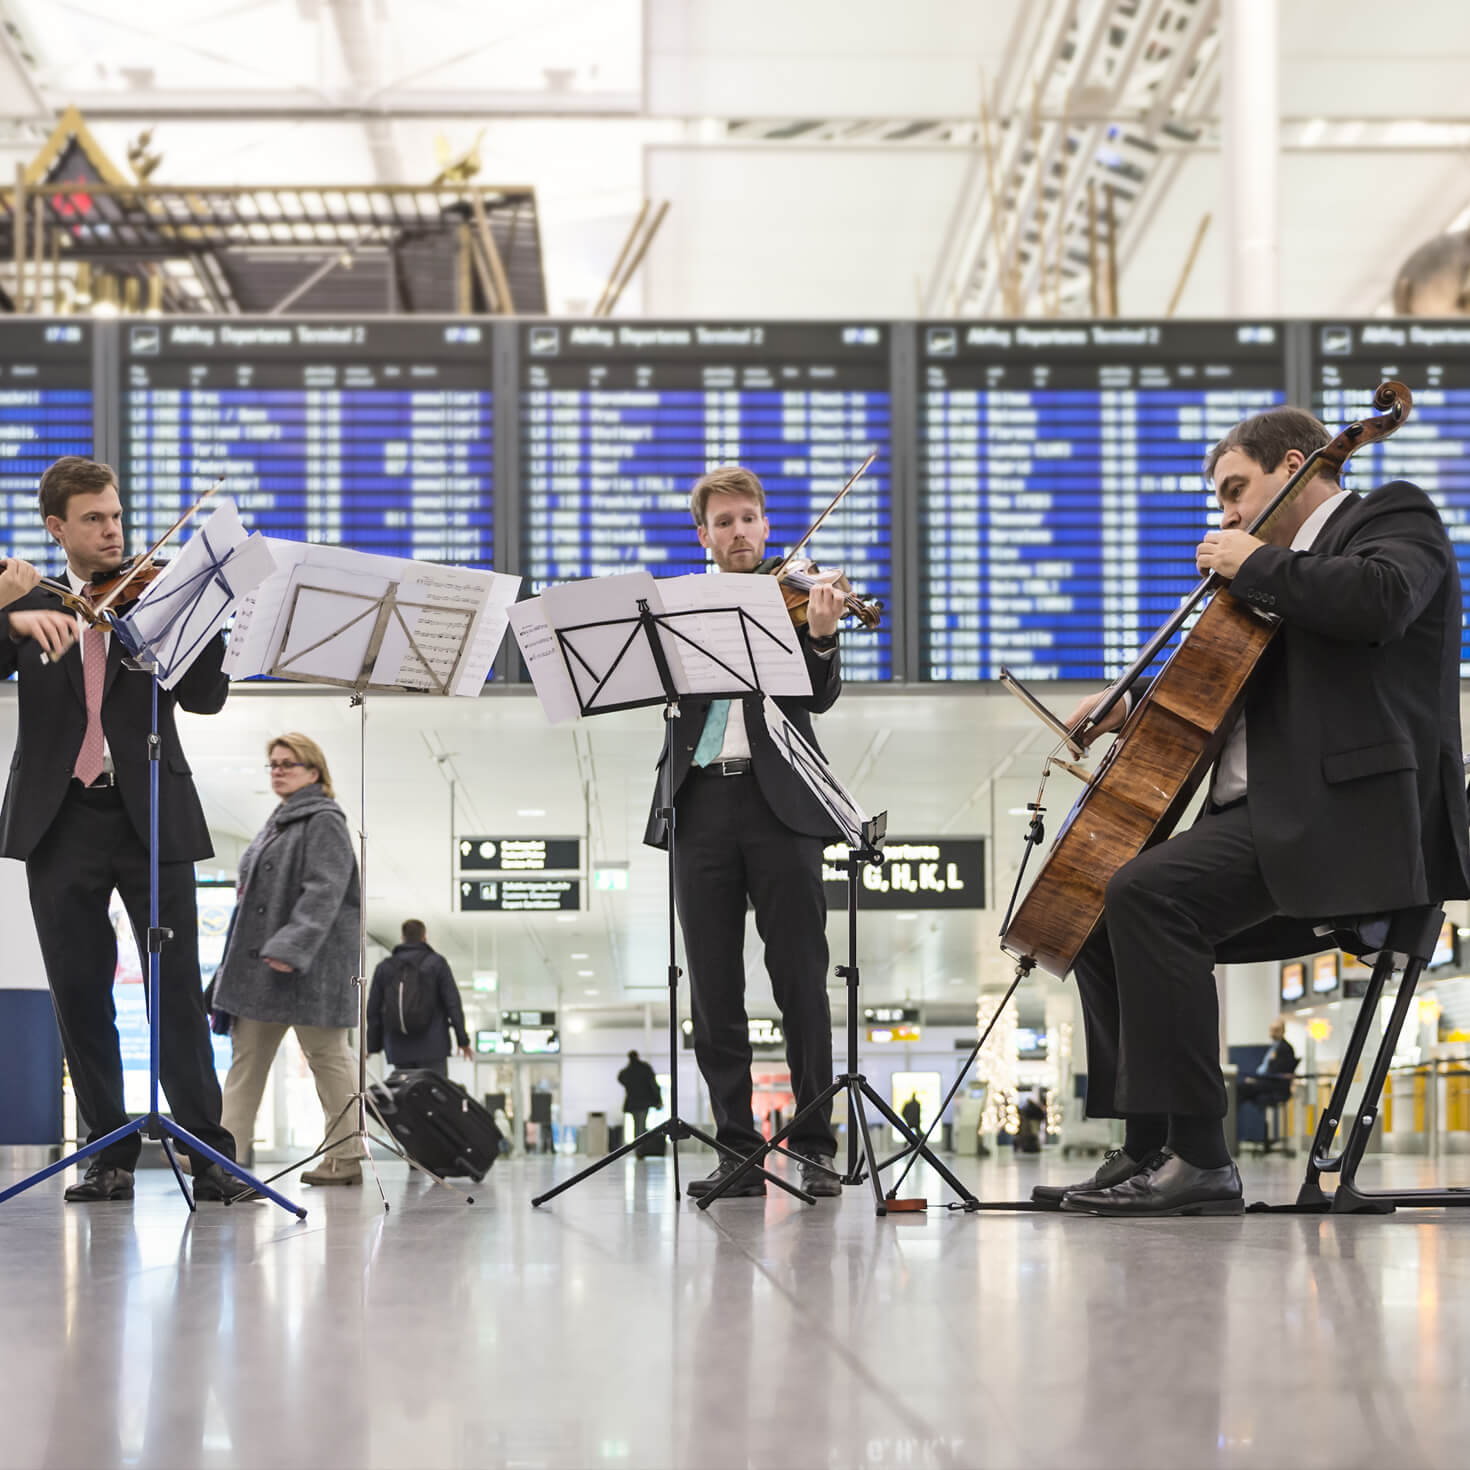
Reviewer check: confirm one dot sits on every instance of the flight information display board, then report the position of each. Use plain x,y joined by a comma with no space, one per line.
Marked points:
1350,359
45,412
1060,493
374,435
617,421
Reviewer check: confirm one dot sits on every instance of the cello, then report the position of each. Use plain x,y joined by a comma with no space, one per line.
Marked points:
1142,786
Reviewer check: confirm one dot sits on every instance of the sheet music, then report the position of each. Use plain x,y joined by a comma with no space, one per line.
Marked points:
467,612
607,653
761,649
542,653
315,620
809,764
189,600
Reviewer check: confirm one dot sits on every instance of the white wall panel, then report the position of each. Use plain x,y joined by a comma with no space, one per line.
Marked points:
783,231
822,58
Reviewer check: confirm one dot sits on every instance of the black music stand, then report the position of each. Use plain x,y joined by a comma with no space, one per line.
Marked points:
598,692
189,625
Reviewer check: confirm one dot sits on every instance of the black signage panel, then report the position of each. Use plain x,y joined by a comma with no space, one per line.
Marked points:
375,435
45,412
520,895
518,854
1350,359
1060,489
916,873
619,419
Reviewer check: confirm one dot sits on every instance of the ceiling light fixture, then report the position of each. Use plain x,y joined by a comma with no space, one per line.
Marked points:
531,811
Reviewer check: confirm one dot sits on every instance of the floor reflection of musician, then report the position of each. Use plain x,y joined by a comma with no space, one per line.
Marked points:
1339,792
748,828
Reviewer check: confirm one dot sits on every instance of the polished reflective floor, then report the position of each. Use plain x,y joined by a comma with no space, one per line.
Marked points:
614,1328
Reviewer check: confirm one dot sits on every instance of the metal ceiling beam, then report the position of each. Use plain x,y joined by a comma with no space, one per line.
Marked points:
264,104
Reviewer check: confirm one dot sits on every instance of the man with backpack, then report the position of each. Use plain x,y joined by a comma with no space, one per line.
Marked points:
412,1005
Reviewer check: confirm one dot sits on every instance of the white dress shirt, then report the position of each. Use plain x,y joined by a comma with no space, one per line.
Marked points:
1229,782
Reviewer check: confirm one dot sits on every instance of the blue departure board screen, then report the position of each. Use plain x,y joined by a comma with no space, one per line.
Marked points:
1060,489
45,412
1432,358
618,420
374,435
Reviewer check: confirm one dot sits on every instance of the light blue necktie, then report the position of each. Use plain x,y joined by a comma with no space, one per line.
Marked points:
713,735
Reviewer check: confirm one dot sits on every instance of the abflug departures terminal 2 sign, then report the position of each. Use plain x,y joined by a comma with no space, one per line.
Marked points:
617,421
375,435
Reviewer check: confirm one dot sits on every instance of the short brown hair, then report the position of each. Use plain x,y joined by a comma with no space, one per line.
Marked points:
309,753
414,931
72,474
728,479
1267,438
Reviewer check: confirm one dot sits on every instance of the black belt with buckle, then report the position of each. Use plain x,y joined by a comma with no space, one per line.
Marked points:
739,767
105,782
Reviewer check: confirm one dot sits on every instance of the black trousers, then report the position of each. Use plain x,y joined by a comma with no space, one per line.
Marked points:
91,849
729,846
1147,975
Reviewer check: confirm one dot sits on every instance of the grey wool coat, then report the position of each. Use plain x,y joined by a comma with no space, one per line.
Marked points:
298,901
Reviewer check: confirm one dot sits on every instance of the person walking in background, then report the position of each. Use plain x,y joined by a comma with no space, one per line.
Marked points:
292,954
912,1112
641,1092
414,1004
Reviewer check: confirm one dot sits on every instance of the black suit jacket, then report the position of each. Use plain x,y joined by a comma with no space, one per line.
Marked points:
1354,778
53,720
783,789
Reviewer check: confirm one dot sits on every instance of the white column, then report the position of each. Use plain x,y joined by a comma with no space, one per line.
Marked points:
1251,115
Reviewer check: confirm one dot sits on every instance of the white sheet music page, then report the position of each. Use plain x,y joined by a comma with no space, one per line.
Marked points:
724,652
607,652
186,604
443,613
809,764
542,653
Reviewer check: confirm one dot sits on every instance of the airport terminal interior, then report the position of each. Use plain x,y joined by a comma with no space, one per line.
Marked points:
408,330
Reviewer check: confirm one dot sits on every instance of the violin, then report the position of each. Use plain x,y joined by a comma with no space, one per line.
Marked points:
799,574
107,592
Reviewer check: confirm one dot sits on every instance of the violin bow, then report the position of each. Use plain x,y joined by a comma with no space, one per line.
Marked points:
815,526
146,560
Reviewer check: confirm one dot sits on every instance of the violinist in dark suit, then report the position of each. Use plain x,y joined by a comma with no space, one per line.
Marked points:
1339,791
747,828
76,813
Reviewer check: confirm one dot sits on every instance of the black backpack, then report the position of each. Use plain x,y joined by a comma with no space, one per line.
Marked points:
412,1000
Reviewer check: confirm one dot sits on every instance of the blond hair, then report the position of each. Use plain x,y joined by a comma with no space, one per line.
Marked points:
728,479
309,753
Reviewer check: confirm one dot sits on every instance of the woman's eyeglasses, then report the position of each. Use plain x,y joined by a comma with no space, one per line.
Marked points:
284,765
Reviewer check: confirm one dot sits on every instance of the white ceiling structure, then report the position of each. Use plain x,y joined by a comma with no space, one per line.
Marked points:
824,158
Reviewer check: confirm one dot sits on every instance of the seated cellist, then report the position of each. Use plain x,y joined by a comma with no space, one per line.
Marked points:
1338,792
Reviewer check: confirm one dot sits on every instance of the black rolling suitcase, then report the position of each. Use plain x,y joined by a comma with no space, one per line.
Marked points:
438,1123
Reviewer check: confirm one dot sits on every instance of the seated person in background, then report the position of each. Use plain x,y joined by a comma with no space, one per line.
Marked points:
1272,1082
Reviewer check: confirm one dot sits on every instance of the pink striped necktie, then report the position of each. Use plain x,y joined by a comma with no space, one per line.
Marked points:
94,672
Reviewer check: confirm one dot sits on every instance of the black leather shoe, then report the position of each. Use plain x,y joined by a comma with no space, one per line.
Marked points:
816,1180
749,1183
212,1186
1114,1169
101,1182
1166,1185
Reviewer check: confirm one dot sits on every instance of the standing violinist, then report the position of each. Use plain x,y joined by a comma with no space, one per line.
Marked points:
1339,792
76,813
747,828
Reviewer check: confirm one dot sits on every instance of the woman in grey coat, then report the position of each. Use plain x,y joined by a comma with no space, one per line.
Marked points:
292,954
